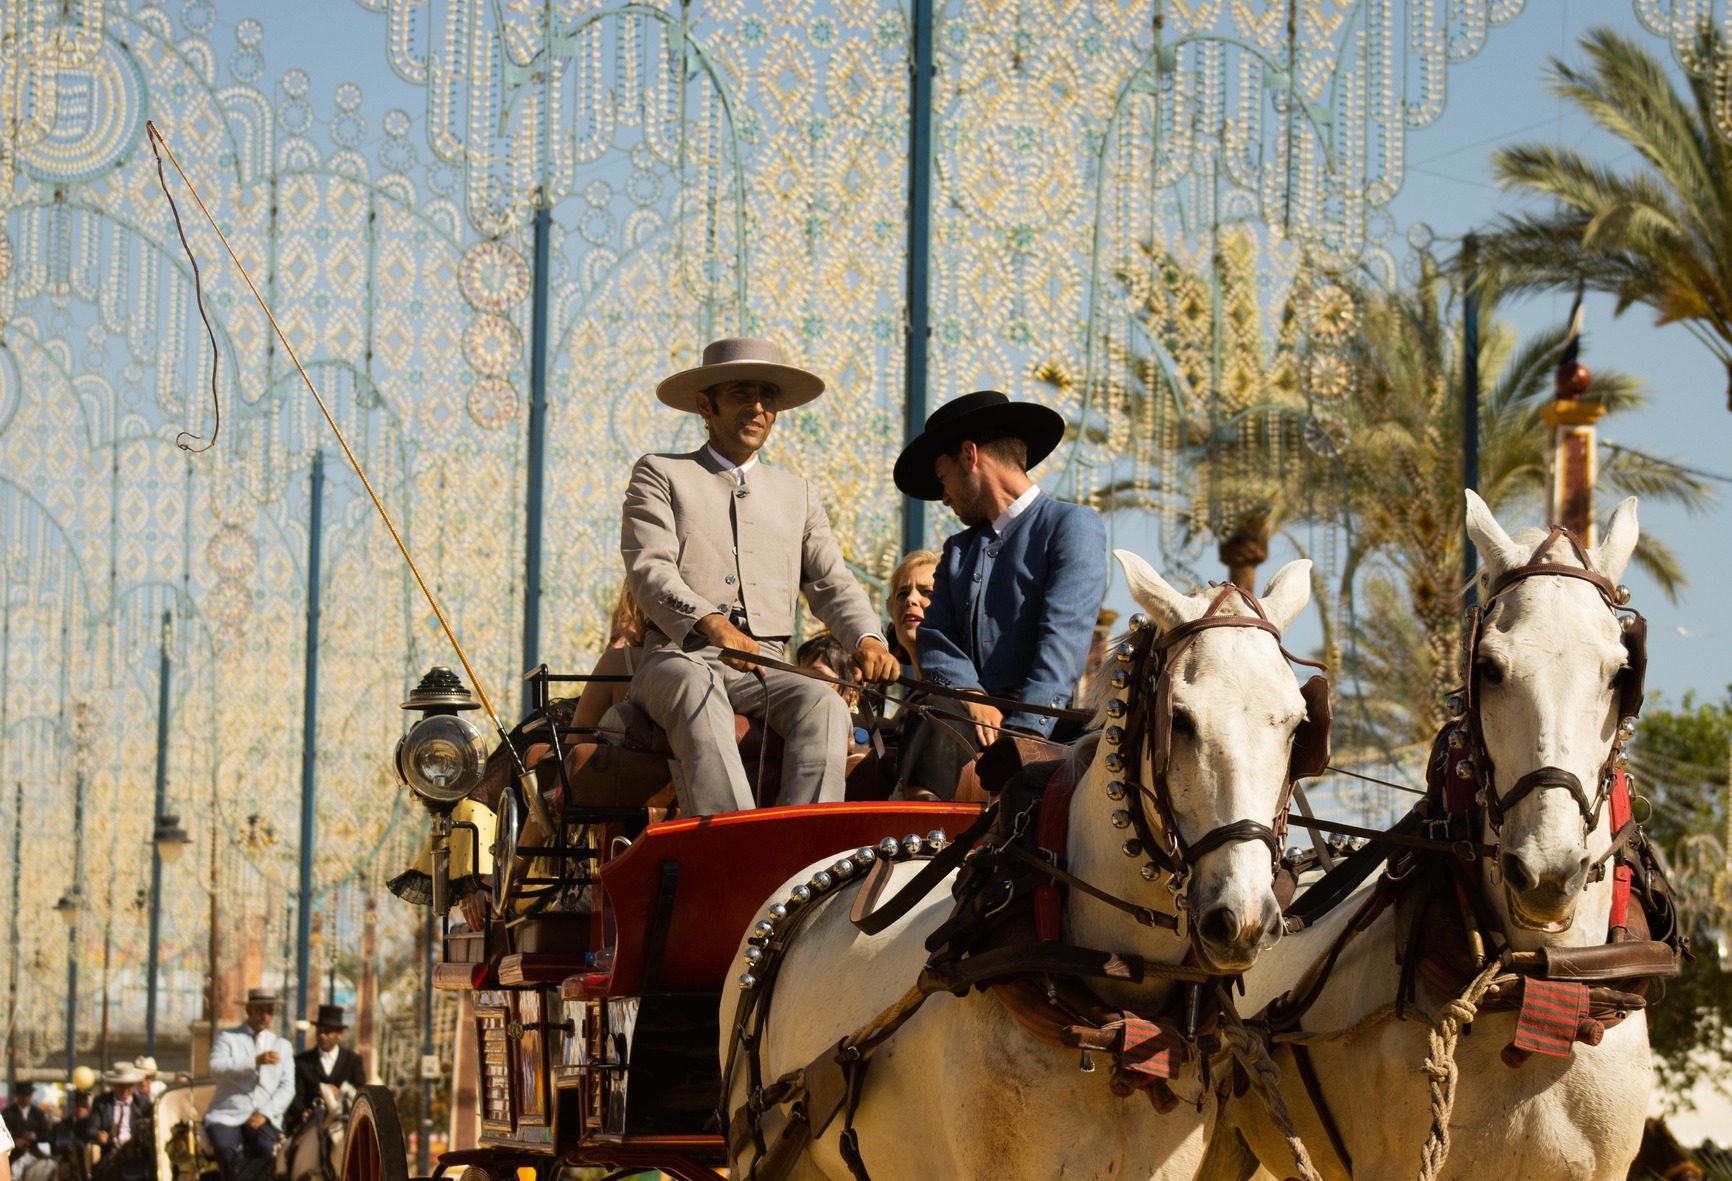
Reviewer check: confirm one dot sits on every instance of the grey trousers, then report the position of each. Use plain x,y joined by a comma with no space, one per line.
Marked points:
694,697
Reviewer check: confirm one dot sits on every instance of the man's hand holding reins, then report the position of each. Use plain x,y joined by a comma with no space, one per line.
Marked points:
719,631
872,657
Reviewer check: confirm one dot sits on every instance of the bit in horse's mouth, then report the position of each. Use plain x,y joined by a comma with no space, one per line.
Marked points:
1521,919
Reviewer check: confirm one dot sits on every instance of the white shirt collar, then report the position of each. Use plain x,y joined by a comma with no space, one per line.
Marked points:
328,1059
729,467
1012,511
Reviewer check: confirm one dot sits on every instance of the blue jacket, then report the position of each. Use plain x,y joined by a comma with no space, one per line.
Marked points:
1015,615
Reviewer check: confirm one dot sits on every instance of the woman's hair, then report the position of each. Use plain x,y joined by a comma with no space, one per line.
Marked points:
904,572
628,618
900,577
829,649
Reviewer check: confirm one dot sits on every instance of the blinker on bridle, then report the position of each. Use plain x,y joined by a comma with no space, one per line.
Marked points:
1151,659
1465,705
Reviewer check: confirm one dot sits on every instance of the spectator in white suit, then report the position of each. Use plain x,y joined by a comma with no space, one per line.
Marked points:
254,1071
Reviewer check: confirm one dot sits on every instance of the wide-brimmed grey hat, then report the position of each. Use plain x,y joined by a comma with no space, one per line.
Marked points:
741,358
261,996
122,1074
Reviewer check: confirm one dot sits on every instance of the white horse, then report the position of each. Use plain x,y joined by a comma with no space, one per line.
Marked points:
1549,663
962,1091
315,1151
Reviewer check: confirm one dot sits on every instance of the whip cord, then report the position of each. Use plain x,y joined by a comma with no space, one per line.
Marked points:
157,141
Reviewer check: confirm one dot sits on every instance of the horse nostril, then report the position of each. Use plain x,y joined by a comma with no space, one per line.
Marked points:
1515,871
1218,926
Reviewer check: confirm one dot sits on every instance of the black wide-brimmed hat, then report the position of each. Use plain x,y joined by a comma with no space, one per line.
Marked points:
331,1017
983,415
741,358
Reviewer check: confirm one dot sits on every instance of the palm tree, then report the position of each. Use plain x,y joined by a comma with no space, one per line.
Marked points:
1403,468
1659,233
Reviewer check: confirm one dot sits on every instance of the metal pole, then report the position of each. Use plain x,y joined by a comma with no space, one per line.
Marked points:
309,744
72,931
150,971
17,944
919,253
1469,400
429,936
537,452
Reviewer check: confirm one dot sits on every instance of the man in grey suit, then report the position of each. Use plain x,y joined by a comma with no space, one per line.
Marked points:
718,548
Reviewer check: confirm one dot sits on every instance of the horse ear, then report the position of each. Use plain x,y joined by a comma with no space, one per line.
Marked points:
1612,556
1496,549
1288,593
1151,592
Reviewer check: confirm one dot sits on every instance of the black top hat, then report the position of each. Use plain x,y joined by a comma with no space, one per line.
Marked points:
331,1017
980,416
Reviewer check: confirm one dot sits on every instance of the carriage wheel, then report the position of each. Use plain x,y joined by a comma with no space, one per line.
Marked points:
373,1147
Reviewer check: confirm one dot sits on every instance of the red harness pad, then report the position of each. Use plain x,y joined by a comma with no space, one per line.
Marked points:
1151,1048
1552,1011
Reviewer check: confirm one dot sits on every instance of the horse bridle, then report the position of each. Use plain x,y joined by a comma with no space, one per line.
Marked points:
1468,731
1148,660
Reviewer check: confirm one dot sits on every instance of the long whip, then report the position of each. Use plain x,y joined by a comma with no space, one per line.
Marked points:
158,146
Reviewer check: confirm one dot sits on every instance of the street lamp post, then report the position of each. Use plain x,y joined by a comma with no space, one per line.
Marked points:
167,837
68,907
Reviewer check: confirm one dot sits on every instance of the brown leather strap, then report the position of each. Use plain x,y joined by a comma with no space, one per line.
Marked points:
1637,959
1314,1089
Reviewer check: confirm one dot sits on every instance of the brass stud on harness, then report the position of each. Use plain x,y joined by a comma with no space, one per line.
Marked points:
864,856
748,982
754,954
890,848
1150,871
1456,704
1116,708
1123,654
1621,759
1120,818
1626,728
1464,769
1621,595
1115,762
1132,848
1139,621
1121,679
822,880
911,845
1115,789
1627,622
1115,736
1457,738
936,840
799,895
843,869
778,910
764,928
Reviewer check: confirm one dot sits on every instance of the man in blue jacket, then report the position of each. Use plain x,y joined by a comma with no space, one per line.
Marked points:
1015,595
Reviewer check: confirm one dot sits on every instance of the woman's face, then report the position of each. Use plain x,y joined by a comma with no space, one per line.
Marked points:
908,602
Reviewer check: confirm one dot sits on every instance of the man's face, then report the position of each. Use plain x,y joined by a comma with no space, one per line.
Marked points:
739,415
259,1016
122,1092
963,491
329,1038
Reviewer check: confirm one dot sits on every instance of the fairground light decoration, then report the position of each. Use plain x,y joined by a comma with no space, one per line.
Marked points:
709,168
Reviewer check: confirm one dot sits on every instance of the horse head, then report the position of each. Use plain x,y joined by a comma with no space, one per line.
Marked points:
1220,710
1551,677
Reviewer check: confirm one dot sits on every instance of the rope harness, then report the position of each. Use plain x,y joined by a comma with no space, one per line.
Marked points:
1004,934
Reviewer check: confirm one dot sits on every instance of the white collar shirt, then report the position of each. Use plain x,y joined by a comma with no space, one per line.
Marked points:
1014,510
328,1060
736,471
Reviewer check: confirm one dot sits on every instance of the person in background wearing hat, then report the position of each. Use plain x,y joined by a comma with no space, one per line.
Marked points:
118,1118
31,1130
718,549
151,1089
1015,594
327,1062
255,1083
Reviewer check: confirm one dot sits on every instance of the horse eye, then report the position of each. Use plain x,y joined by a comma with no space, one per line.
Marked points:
1184,723
1488,672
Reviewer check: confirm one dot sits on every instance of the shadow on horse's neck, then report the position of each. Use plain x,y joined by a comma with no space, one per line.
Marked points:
1095,853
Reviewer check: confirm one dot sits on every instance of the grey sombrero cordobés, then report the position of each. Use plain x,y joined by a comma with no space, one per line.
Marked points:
741,358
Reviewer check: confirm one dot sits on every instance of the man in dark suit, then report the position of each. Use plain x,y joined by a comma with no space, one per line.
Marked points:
118,1125
29,1125
1015,595
328,1061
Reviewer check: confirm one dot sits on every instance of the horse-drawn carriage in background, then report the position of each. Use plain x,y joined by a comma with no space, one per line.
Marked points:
595,983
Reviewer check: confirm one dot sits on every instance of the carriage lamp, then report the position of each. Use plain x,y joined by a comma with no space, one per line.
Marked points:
442,756
169,838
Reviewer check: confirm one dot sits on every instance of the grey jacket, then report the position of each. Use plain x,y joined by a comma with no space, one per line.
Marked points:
695,542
